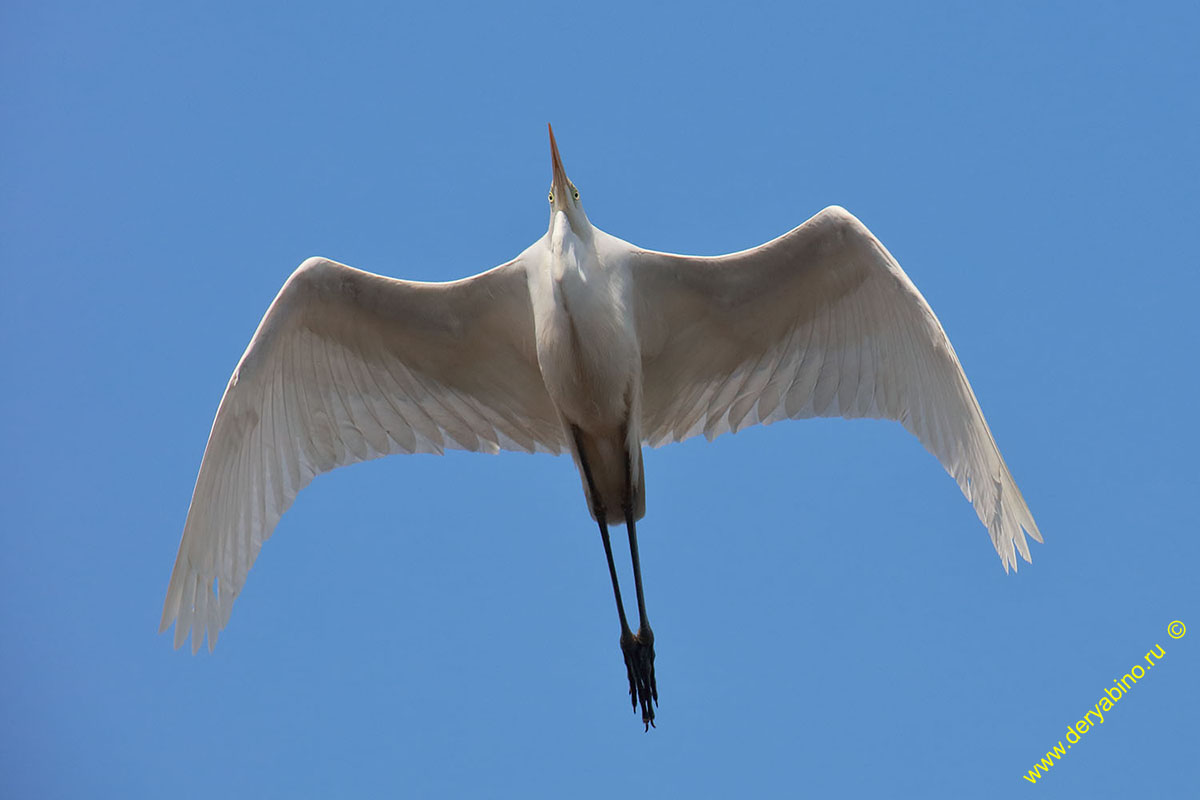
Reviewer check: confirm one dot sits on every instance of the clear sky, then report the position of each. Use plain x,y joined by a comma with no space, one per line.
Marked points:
831,618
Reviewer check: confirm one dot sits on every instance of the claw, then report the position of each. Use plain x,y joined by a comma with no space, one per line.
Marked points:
639,668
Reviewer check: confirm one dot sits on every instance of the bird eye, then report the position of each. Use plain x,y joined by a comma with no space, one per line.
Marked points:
552,197
576,194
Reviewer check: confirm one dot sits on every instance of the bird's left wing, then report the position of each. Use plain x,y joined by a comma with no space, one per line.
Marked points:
821,322
347,366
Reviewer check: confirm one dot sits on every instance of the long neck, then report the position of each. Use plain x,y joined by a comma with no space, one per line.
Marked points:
572,220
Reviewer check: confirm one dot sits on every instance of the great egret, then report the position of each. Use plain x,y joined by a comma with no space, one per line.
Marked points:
583,343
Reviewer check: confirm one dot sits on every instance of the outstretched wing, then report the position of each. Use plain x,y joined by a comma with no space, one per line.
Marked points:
821,322
347,366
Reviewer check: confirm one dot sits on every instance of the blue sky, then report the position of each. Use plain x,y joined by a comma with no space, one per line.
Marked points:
830,616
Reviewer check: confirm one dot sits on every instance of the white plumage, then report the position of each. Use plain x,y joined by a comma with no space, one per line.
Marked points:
583,343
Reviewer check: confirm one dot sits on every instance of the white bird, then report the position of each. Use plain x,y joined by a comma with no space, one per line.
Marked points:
587,344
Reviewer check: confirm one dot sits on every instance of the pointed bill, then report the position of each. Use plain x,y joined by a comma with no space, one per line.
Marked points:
559,183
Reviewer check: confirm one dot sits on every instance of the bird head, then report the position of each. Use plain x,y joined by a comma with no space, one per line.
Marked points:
564,197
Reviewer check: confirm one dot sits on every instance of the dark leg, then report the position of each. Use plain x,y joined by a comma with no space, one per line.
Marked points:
630,644
612,572
639,650
626,634
643,622
598,510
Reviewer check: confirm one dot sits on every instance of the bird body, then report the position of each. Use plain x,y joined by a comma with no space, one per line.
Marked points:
587,343
584,344
588,352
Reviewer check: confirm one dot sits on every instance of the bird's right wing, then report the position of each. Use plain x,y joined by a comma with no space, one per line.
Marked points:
821,322
347,366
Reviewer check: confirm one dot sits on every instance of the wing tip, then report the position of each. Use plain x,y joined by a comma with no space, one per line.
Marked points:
202,619
1010,545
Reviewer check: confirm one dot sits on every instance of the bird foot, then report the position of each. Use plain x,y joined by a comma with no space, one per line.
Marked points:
639,665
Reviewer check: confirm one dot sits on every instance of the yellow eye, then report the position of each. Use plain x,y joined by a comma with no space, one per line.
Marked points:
552,197
576,194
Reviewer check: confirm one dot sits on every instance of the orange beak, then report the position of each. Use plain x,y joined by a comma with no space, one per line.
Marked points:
559,181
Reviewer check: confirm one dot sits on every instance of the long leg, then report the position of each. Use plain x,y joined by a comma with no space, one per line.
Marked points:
599,511
643,622
641,687
612,571
639,655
